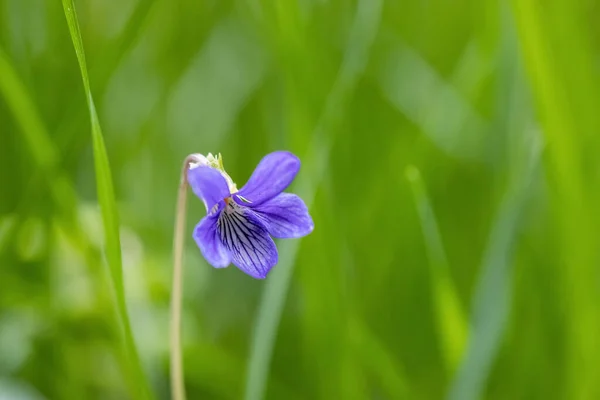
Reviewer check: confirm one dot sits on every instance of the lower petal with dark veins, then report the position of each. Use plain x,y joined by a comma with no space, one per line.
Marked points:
245,236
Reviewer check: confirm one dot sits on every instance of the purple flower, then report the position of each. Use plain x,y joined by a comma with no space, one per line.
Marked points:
239,224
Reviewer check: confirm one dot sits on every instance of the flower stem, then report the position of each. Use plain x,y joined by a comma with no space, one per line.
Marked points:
177,379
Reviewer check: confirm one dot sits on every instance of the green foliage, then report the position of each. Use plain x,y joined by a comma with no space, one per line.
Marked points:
110,216
449,159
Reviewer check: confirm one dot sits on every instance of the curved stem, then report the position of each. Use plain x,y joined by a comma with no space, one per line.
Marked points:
177,379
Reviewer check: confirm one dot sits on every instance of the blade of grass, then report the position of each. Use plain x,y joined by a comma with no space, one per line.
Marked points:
44,154
115,54
362,34
110,219
17,98
43,151
560,64
491,302
451,319
433,104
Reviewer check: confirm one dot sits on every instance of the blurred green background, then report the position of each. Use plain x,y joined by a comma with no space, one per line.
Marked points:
450,162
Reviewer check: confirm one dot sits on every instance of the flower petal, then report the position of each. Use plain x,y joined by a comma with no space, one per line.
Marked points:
208,184
272,176
285,216
244,235
210,244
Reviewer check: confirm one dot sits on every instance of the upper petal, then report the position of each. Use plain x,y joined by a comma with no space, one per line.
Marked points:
285,216
208,184
207,238
244,235
272,176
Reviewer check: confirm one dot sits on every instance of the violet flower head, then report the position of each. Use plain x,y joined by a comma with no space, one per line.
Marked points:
239,224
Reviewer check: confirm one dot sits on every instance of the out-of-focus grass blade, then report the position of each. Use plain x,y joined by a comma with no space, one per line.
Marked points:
362,34
44,152
433,104
472,70
561,64
451,319
106,198
491,302
17,98
493,294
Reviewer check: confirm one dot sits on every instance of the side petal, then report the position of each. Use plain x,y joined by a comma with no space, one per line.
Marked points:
285,216
208,184
244,235
272,176
207,239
